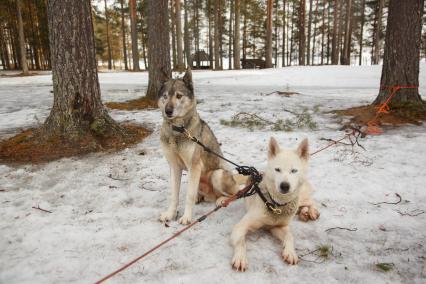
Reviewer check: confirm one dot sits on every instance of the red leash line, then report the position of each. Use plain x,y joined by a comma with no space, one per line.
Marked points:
200,219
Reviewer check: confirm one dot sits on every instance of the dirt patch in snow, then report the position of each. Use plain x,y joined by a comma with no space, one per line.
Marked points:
408,114
29,147
142,103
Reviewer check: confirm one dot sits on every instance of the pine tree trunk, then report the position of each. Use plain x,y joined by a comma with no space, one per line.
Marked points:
158,46
24,63
180,63
314,33
143,40
217,14
186,41
268,34
402,52
77,108
377,41
230,35
334,45
340,36
123,34
245,33
173,32
134,35
4,49
346,58
361,34
302,36
107,36
308,56
323,34
237,51
328,33
283,49
276,38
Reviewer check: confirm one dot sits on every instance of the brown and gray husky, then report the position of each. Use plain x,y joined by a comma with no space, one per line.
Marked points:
209,177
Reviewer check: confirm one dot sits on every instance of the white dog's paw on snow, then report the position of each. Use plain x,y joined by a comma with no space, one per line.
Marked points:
290,256
220,200
167,216
239,262
307,213
185,219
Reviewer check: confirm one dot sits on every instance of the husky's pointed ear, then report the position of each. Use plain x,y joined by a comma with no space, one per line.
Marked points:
274,148
187,79
303,149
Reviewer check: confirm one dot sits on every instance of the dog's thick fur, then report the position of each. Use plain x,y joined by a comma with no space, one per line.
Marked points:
209,177
285,182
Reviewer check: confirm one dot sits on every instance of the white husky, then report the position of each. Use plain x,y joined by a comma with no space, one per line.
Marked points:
285,185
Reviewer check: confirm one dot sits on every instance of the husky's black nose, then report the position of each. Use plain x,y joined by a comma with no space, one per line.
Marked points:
284,187
169,112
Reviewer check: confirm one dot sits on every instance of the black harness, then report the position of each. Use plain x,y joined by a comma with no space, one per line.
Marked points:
252,172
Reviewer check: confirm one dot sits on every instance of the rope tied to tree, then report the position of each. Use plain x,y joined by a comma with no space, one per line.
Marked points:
373,125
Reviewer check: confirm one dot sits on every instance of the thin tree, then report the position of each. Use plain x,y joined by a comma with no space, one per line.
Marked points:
158,46
24,64
346,56
402,53
283,49
77,107
269,34
217,15
361,33
334,44
377,36
134,34
107,36
186,41
237,50
315,32
230,35
302,36
180,63
123,35
308,56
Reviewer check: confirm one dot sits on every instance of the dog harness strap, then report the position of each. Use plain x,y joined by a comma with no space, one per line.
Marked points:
254,174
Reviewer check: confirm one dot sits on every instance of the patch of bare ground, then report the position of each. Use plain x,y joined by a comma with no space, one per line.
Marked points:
30,146
398,115
142,103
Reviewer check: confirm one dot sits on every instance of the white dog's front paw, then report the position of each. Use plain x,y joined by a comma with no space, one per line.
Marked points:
219,201
168,215
185,219
290,256
239,262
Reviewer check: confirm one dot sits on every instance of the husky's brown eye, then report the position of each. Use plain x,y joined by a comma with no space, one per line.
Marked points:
293,171
178,96
278,170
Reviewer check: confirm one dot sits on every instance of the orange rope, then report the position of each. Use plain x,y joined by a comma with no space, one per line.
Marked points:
384,108
225,203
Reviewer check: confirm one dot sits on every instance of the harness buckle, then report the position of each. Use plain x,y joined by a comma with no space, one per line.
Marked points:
274,209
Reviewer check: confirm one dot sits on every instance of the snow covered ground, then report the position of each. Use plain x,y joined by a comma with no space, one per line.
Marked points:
105,207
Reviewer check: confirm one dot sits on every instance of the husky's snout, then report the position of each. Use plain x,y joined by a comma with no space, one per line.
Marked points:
284,187
169,110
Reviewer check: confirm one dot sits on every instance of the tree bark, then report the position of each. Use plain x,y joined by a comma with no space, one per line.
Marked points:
180,63
334,45
237,51
302,36
315,33
269,34
308,56
361,34
77,108
173,33
123,35
230,35
23,61
158,46
107,36
134,34
283,49
217,14
402,53
186,42
346,59
376,55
